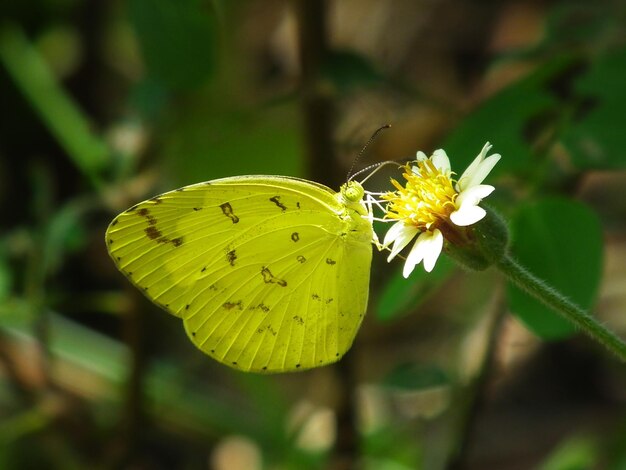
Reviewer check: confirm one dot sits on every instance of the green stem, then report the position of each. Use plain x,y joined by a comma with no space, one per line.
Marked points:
557,301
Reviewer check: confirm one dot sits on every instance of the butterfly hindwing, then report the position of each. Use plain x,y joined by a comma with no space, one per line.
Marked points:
265,272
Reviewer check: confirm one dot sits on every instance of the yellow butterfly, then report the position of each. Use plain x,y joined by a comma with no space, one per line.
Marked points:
268,273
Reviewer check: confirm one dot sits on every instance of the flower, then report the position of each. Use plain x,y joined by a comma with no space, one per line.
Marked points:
432,205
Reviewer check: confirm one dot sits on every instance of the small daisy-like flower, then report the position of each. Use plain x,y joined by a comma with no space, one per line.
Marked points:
432,205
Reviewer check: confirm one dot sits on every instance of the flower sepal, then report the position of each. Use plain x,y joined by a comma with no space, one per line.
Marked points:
482,244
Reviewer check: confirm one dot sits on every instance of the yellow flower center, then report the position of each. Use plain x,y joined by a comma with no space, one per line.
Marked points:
427,198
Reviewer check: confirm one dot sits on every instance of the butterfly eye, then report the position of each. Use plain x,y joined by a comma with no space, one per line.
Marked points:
352,191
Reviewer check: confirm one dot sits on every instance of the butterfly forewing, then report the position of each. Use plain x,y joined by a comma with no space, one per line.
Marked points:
267,273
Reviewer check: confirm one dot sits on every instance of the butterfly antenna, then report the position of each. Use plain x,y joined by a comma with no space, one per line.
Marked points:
360,154
376,166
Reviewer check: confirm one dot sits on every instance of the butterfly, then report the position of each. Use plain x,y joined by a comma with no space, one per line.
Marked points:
267,273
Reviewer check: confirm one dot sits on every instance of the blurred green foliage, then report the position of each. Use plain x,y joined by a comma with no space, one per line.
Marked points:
177,39
559,240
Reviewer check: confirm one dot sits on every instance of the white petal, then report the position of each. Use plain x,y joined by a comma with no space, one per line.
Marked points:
473,195
398,246
415,255
402,240
393,233
408,268
485,150
471,169
420,156
441,161
484,169
433,251
467,215
468,178
427,246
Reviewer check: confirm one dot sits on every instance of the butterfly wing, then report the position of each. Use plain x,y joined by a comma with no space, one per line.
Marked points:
268,274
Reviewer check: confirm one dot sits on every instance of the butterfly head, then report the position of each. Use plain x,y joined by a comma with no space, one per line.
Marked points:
351,197
352,192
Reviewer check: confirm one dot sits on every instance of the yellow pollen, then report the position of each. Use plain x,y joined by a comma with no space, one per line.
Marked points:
427,198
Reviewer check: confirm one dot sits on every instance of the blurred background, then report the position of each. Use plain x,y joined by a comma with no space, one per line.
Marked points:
106,103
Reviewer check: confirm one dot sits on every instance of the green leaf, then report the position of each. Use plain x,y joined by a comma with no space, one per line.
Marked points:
349,70
150,97
392,446
65,121
400,296
578,23
177,39
596,139
6,278
413,376
232,142
64,233
506,120
560,241
575,453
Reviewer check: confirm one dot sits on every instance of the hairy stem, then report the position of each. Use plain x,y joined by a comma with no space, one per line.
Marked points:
562,305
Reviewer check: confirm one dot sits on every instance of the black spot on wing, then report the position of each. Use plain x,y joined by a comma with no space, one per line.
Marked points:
330,261
298,319
276,200
295,236
227,210
267,328
262,307
231,256
301,259
318,298
269,278
231,305
153,232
